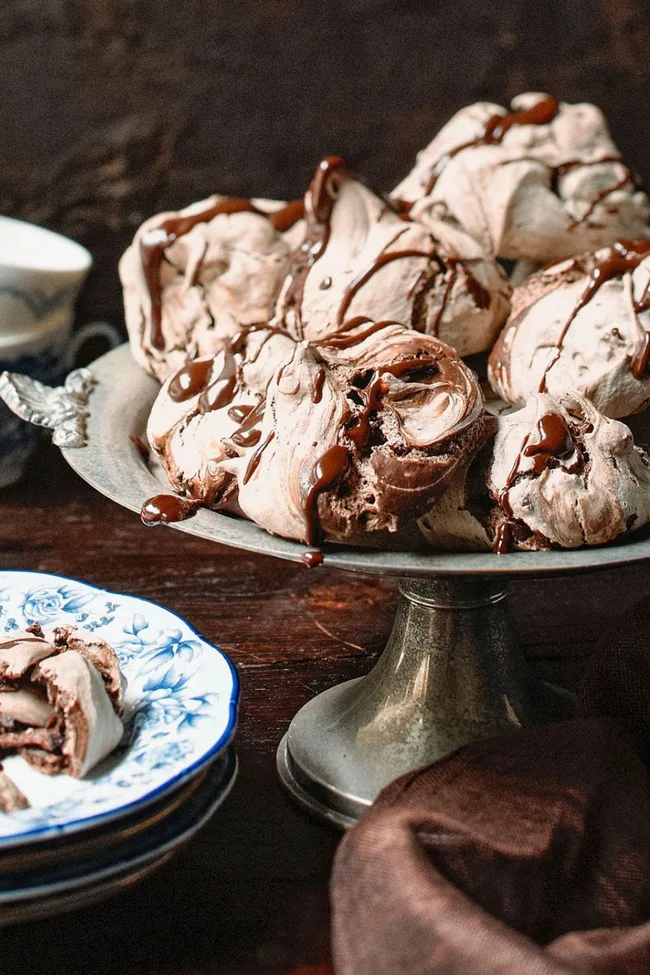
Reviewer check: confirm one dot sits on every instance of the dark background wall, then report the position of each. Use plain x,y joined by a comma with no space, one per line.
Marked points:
111,110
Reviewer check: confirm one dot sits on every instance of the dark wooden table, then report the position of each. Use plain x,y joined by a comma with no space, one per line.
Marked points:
249,894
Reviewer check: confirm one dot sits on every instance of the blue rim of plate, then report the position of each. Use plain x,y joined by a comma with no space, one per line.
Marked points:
128,853
51,831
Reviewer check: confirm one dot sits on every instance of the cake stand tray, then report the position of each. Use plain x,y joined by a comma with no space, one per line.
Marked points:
452,671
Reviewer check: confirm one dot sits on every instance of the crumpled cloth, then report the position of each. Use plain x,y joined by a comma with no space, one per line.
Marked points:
527,854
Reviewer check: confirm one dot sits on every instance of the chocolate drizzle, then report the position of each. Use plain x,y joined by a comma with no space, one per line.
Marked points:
254,462
494,130
364,277
155,242
599,199
221,390
312,559
358,430
319,202
327,469
554,440
624,256
166,508
190,380
319,382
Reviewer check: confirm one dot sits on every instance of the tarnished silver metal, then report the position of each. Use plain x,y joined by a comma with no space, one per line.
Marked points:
451,671
61,409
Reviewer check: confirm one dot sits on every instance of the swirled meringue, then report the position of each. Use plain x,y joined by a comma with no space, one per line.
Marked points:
193,278
558,474
582,325
362,255
541,182
325,442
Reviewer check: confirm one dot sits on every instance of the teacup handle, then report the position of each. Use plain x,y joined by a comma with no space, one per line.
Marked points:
87,332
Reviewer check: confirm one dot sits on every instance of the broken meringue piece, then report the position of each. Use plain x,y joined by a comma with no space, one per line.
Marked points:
59,700
541,181
363,255
11,798
193,278
581,324
87,723
20,652
558,474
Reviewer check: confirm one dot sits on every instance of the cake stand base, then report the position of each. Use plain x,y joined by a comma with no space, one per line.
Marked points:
451,673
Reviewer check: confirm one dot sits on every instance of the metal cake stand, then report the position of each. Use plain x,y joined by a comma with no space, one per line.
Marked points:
452,671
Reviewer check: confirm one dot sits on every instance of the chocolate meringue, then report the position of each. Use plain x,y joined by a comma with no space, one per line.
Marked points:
11,798
193,278
558,474
581,324
332,440
540,182
60,700
362,255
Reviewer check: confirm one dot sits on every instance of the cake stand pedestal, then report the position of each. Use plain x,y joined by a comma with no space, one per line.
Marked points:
451,672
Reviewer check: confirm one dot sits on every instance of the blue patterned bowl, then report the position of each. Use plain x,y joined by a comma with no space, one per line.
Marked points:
180,705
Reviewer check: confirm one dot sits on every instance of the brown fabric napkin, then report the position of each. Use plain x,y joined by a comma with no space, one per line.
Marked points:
522,855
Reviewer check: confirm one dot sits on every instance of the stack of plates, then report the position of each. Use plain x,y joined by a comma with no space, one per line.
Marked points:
82,840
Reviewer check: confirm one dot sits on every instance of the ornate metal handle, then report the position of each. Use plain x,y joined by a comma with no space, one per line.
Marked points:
61,408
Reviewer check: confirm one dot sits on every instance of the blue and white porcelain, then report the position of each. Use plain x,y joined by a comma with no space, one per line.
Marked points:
127,851
180,705
41,273
40,276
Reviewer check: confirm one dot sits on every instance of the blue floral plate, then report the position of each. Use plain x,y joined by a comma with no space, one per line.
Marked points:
180,705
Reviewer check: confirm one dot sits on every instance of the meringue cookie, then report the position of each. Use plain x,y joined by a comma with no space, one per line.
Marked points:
581,324
543,182
60,701
362,255
11,798
558,474
193,278
343,442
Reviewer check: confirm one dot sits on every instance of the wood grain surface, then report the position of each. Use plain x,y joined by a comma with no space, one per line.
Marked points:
249,894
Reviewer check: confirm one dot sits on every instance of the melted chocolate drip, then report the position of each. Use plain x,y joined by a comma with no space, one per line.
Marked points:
624,256
359,428
246,438
289,215
141,447
220,392
319,202
166,508
190,380
327,469
319,382
312,559
254,462
554,440
346,336
494,130
239,413
364,277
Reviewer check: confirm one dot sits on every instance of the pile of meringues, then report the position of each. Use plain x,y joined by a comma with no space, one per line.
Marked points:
311,353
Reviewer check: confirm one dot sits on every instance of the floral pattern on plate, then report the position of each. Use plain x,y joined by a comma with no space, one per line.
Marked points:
180,704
